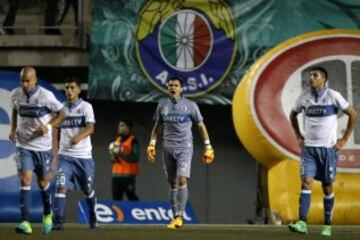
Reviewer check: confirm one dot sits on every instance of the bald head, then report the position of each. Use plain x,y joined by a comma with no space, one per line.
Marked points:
28,71
28,79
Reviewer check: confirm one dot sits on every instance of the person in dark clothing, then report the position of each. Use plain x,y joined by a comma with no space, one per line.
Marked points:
125,162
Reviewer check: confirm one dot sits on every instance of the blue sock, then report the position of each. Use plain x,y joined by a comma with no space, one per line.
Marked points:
328,208
46,198
25,201
91,202
59,207
305,199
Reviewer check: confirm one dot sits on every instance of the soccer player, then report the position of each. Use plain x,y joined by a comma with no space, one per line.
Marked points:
76,165
319,146
125,163
173,119
35,111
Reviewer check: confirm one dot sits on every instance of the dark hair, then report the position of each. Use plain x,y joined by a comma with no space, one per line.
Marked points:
321,70
181,81
73,80
127,121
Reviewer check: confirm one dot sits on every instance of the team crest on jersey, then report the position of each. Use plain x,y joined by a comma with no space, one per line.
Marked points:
165,111
191,39
184,108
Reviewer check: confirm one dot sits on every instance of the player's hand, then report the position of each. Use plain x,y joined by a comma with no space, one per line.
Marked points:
13,136
340,143
300,140
151,152
41,130
75,140
209,155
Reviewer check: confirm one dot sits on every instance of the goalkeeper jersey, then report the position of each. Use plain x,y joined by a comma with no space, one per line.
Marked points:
177,117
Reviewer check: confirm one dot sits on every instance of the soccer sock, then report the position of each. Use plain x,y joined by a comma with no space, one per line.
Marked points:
173,200
182,197
328,208
59,208
25,200
46,198
91,202
305,199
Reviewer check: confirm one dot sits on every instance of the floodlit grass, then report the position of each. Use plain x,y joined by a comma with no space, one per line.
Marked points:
191,232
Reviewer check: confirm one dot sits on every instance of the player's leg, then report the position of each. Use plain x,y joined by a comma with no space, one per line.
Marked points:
169,163
129,188
64,182
308,170
184,157
42,164
329,200
25,168
183,161
329,168
85,177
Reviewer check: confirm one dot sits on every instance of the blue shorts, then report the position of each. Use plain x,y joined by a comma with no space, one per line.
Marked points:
37,161
177,162
75,174
318,163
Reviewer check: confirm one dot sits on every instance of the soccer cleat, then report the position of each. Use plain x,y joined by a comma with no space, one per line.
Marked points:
58,224
58,227
177,222
299,227
47,224
326,231
24,227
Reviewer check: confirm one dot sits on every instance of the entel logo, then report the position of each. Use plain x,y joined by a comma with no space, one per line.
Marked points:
105,214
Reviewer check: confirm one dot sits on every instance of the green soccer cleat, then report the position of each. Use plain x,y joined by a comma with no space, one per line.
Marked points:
24,227
47,224
299,227
326,231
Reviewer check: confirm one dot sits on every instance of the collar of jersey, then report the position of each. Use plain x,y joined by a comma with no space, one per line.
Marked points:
75,104
320,93
32,92
174,101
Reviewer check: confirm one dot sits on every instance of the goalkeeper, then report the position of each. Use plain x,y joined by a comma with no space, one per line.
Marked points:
173,119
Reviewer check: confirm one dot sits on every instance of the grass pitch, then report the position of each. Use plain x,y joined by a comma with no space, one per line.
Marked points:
191,232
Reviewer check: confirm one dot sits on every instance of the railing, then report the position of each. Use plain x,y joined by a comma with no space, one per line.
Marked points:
34,28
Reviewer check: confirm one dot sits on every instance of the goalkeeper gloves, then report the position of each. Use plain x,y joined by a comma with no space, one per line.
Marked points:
209,155
151,152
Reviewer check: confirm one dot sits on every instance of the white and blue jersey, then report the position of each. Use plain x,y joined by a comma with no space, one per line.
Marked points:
177,117
34,109
320,116
77,116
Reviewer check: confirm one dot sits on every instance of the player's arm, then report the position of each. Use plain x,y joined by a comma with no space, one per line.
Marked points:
155,133
295,125
89,129
208,155
12,135
353,118
55,121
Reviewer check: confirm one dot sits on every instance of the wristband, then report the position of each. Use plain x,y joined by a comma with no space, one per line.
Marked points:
206,142
49,126
152,142
208,146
